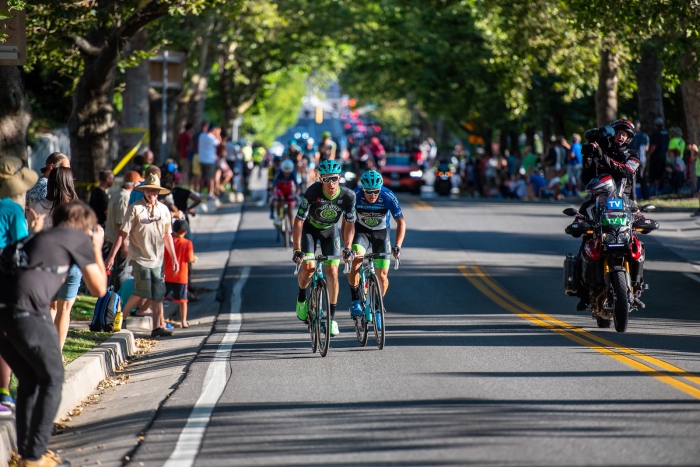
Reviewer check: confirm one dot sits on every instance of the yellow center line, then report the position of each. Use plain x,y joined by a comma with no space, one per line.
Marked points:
575,334
649,359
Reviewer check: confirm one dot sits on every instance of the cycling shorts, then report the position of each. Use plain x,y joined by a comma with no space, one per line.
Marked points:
380,240
328,238
285,192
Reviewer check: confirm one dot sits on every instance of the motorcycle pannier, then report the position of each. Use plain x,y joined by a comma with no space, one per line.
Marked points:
569,284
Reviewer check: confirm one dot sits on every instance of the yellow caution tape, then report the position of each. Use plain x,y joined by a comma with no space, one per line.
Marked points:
125,160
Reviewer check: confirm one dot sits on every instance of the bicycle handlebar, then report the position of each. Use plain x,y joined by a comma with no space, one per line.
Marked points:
319,258
397,261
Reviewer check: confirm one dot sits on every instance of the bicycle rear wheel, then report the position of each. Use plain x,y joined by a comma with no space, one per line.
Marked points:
322,317
377,306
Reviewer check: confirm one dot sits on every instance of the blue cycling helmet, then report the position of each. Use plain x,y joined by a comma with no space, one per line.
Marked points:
371,180
329,167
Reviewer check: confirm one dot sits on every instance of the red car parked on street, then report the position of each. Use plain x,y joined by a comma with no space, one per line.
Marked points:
401,172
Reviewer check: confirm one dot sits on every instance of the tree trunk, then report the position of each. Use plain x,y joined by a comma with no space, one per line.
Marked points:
92,118
606,94
530,138
135,110
15,113
514,143
546,132
691,102
649,93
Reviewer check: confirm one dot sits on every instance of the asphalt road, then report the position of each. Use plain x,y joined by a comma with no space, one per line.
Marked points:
486,361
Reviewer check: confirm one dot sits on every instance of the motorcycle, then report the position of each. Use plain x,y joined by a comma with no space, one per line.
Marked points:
443,180
612,256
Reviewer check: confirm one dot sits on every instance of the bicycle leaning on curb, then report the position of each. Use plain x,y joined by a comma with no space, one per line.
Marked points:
371,301
318,319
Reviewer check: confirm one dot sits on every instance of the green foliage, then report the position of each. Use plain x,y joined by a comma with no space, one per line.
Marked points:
278,109
394,117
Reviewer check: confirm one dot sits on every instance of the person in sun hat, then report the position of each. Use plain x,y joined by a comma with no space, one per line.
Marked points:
15,181
147,225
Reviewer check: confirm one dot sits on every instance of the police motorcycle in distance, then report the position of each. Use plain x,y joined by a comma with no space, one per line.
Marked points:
612,256
443,179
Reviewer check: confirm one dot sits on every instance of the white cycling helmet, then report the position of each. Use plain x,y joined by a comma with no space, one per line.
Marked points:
310,141
287,166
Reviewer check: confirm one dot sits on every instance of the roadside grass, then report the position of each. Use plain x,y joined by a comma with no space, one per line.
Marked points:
83,308
80,341
668,201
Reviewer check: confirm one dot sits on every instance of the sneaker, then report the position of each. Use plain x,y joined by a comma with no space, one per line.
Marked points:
5,411
302,311
161,332
334,328
6,399
356,308
49,459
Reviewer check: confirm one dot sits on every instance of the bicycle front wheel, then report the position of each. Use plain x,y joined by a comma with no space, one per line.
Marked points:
377,306
310,319
322,317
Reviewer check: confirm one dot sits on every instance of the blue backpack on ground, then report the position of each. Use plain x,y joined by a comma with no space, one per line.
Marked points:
106,309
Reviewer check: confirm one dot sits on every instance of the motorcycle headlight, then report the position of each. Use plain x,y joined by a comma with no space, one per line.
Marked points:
609,238
624,237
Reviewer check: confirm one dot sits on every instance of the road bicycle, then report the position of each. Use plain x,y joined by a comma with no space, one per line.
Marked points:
371,301
284,230
318,318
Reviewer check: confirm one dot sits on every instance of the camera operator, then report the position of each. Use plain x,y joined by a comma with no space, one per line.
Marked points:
606,153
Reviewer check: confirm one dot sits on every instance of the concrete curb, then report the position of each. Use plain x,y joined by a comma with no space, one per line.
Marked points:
84,373
8,439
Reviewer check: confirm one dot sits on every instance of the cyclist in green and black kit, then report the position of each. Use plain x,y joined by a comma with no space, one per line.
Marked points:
321,208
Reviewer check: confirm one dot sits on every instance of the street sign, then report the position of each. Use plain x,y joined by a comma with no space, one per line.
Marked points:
176,63
13,52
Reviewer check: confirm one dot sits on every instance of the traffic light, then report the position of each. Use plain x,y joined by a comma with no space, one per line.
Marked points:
319,115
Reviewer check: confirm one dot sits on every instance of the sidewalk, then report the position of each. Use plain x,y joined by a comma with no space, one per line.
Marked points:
109,430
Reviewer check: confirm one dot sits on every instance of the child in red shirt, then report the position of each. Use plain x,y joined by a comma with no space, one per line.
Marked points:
176,284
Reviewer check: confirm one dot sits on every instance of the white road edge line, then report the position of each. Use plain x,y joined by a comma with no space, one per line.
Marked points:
190,439
692,276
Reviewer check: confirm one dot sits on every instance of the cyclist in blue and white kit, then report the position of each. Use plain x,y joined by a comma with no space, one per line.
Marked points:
373,203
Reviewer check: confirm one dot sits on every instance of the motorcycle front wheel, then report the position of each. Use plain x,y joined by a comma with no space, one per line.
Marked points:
622,306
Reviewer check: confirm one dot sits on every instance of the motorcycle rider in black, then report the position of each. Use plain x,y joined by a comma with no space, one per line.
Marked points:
605,153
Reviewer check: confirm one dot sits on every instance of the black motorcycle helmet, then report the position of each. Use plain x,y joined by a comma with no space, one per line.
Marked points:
626,126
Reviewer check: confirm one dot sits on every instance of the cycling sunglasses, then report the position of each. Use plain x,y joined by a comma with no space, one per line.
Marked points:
330,179
371,192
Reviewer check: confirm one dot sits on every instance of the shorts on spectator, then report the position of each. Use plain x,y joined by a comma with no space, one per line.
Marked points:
208,171
148,282
178,292
196,167
69,289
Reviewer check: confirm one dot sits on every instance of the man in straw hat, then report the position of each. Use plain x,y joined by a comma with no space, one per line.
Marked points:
148,227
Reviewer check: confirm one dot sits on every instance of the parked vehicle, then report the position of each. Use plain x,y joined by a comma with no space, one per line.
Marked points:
402,172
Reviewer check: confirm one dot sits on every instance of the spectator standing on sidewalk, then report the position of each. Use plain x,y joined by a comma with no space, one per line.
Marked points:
60,190
38,191
656,157
15,180
99,198
530,161
176,282
28,339
184,146
640,143
147,224
208,142
575,164
116,209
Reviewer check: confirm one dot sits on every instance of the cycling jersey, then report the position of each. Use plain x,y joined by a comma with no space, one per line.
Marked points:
326,150
323,212
283,185
375,216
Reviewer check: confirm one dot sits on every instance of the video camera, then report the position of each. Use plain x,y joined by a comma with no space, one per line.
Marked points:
602,136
